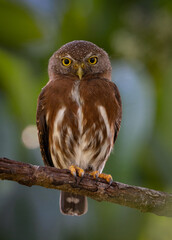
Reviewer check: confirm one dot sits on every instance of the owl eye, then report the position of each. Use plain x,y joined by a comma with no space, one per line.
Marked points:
93,60
66,61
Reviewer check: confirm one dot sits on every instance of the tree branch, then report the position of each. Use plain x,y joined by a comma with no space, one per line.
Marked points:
143,199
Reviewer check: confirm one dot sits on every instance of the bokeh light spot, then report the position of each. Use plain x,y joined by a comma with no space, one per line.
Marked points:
30,137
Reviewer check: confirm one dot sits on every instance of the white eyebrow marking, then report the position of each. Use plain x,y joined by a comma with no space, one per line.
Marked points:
66,56
88,55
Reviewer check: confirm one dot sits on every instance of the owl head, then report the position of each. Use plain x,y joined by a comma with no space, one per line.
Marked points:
78,60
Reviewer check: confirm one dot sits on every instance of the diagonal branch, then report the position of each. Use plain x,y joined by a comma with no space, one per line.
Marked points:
143,199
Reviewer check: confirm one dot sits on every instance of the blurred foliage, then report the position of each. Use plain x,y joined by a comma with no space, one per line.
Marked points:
16,25
138,36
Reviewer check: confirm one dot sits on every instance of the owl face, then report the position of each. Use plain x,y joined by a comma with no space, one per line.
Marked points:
79,59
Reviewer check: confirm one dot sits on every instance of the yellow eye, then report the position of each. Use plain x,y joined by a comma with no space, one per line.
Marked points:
93,60
66,61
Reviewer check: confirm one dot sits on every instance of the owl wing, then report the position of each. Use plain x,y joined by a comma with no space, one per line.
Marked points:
43,131
117,123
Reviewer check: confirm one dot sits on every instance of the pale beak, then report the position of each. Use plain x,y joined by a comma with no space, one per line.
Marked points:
80,72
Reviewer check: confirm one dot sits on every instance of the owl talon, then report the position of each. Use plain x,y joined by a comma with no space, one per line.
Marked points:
72,170
94,174
80,172
76,171
107,177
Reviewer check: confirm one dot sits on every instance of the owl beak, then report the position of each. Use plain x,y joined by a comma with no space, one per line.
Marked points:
80,72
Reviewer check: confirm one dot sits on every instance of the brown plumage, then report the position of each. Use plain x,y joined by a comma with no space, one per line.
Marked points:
79,114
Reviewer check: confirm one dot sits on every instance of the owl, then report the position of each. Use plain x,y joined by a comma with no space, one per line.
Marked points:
78,115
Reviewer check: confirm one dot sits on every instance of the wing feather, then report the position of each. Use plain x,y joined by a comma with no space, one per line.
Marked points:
117,123
43,131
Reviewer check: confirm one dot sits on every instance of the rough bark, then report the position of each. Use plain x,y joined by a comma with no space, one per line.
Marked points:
143,199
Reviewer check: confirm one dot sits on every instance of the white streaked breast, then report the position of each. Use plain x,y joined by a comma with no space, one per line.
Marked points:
103,113
56,135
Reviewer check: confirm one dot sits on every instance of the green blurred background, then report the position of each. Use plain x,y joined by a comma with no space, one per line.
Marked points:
138,37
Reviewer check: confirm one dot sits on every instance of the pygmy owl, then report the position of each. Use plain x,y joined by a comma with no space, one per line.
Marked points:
78,115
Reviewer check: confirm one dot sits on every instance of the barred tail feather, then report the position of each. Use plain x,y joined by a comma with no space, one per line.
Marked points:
73,204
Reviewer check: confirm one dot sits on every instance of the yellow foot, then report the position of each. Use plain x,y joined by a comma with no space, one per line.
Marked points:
94,174
76,171
107,177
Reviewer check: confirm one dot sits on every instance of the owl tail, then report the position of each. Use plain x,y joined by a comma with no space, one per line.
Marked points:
72,204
